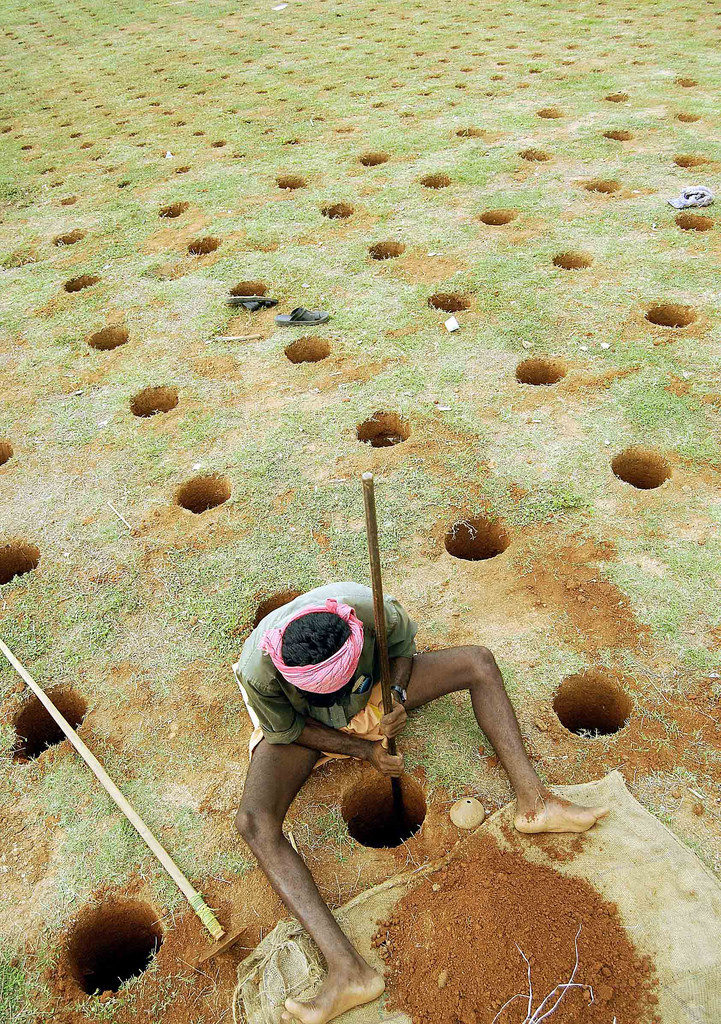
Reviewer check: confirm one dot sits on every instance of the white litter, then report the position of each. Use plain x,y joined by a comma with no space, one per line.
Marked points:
452,324
444,408
605,344
527,344
280,7
168,155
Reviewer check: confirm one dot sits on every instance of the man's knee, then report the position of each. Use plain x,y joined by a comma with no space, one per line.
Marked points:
256,826
482,664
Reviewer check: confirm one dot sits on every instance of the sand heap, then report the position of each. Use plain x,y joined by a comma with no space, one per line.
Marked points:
452,947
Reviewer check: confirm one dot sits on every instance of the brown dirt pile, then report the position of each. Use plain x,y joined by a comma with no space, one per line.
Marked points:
452,946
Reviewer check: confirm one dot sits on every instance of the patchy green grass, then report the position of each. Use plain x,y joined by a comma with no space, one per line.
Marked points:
118,120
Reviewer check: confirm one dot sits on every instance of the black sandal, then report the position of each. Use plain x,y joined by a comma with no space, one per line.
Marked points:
302,317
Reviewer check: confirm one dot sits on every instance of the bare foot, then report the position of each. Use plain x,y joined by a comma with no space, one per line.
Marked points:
550,813
337,994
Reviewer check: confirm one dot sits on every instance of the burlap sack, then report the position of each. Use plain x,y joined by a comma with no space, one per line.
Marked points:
669,901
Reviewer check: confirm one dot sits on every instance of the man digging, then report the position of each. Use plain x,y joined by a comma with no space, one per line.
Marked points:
309,675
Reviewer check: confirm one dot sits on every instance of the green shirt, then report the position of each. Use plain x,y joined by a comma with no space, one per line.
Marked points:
278,707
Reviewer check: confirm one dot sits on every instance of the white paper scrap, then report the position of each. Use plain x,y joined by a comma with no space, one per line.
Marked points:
452,324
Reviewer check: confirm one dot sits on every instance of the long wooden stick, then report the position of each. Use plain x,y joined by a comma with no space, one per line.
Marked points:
379,616
191,894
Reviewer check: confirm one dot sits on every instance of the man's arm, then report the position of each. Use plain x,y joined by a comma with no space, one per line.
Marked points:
323,738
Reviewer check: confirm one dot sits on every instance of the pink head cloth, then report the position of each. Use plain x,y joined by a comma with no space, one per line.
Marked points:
329,675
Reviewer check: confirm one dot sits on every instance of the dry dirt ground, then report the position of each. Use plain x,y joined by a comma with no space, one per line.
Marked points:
390,162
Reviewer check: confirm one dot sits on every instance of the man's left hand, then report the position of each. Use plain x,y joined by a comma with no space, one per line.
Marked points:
392,724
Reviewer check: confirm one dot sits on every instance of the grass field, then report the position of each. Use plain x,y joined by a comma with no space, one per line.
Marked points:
132,132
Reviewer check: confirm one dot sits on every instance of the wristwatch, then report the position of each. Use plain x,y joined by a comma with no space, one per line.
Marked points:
400,693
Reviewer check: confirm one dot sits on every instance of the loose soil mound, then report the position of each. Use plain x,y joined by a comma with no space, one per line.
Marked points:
6,452
308,350
154,400
35,730
455,946
111,943
383,430
17,558
476,539
370,814
202,493
592,704
642,468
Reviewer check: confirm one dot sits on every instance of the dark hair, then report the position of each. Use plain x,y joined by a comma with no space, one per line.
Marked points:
311,639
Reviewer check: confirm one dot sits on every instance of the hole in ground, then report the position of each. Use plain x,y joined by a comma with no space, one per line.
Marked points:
373,159
476,539
109,338
35,730
202,246
469,133
70,238
572,260
541,371
549,113
690,160
249,288
17,558
449,302
604,185
174,210
495,218
383,430
688,118
617,97
386,250
535,155
308,350
337,211
201,493
641,467
686,83
369,812
291,181
592,704
111,943
6,452
694,222
76,284
435,181
275,601
154,400
671,314
618,135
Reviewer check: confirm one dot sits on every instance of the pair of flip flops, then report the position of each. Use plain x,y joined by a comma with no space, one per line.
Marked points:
302,317
252,302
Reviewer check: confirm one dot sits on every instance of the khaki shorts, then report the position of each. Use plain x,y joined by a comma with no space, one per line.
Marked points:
365,724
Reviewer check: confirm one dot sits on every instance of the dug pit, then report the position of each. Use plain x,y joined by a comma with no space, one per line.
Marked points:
308,350
535,155
369,811
6,452
76,284
671,314
174,210
337,211
642,468
496,218
449,302
605,186
693,222
435,181
249,288
108,338
17,558
291,182
202,493
386,250
383,430
618,135
151,401
203,246
111,943
36,731
573,259
592,704
70,238
477,539
275,601
373,159
541,371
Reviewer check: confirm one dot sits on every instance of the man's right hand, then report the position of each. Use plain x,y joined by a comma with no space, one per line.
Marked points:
385,763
